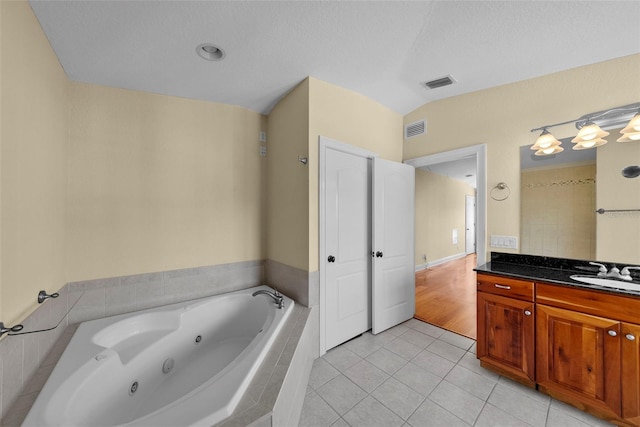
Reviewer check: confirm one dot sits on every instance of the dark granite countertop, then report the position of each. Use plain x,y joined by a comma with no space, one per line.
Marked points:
553,270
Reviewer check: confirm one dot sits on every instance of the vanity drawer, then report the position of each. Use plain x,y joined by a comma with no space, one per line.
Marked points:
512,288
594,302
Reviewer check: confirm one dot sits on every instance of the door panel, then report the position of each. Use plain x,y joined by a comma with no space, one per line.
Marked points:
393,281
578,355
506,334
470,225
347,240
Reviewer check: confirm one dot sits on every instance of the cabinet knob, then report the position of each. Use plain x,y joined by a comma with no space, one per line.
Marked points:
630,337
527,313
613,333
502,286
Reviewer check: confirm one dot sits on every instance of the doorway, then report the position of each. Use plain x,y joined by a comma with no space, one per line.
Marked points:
470,224
366,226
445,283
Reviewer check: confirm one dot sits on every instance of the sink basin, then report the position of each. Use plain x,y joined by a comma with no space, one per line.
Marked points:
609,283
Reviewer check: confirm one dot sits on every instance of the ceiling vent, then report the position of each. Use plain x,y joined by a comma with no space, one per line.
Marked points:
415,129
441,82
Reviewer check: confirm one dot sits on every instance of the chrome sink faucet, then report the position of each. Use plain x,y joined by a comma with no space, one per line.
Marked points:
626,274
615,272
602,272
276,296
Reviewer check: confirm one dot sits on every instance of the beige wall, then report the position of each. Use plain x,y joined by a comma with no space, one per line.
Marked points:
312,109
440,208
101,182
502,118
352,118
618,234
288,179
557,215
33,153
159,183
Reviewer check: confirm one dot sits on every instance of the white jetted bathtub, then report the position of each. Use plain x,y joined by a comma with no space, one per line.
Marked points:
177,365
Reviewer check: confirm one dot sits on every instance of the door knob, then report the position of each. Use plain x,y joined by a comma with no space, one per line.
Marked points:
630,337
527,313
331,258
612,333
378,254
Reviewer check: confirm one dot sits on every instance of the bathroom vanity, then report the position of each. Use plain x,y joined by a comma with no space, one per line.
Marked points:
577,342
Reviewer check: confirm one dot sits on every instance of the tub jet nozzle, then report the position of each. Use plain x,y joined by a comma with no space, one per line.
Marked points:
167,366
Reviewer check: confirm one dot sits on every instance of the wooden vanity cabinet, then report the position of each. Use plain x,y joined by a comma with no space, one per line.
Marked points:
587,350
506,327
578,359
631,373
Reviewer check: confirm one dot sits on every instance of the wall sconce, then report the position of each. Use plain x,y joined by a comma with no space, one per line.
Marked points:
590,133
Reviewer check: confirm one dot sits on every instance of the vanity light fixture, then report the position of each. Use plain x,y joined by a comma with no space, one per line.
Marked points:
590,136
546,144
590,133
632,131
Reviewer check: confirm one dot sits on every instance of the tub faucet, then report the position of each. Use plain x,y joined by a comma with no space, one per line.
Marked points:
276,296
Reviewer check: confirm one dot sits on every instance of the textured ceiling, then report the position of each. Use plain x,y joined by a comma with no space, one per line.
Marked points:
380,49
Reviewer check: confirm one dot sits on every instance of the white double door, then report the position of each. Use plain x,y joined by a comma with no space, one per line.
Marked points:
367,243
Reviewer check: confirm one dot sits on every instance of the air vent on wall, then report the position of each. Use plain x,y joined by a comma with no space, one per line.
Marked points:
415,129
436,83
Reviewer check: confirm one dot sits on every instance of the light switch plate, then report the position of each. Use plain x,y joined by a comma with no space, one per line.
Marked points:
505,242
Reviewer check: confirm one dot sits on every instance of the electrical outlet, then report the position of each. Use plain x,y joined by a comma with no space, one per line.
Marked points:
263,151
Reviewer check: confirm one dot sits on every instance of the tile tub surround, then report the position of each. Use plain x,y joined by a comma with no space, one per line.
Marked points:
21,355
300,285
396,379
276,392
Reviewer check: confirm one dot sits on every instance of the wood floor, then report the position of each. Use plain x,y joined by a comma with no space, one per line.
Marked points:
446,296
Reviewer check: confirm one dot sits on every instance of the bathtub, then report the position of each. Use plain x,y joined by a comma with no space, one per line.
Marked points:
182,364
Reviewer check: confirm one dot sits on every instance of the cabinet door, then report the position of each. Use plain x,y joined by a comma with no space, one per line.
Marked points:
631,373
506,335
578,358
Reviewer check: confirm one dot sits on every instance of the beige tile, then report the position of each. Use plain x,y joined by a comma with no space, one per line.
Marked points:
446,350
433,363
341,358
371,413
430,414
341,394
321,373
476,384
519,405
457,401
417,378
403,348
316,412
386,360
492,416
398,397
366,375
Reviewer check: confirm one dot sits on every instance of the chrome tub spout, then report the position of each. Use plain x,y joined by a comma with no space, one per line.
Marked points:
276,296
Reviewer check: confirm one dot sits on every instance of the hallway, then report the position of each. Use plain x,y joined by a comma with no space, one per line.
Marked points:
446,296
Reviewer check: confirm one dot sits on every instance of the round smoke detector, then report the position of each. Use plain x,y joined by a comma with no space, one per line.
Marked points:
210,52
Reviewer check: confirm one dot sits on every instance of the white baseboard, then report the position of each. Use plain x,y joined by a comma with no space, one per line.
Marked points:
440,261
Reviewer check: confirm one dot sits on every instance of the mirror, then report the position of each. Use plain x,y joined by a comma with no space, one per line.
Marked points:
561,193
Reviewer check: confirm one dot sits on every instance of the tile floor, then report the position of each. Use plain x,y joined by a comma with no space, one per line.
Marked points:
417,374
